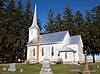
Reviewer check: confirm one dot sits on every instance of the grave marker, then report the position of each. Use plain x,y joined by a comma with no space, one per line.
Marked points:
12,67
46,68
91,68
4,68
21,70
75,69
98,66
86,69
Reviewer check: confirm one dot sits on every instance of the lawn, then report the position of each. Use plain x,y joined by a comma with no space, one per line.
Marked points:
35,68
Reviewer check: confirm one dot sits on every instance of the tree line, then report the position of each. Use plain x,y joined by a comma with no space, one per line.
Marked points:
88,26
15,19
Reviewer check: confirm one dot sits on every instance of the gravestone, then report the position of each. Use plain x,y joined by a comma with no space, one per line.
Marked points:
46,68
12,67
4,68
21,70
98,66
75,69
86,68
91,68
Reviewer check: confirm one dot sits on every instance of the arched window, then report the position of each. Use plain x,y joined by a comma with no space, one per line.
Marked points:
52,51
42,51
65,55
34,52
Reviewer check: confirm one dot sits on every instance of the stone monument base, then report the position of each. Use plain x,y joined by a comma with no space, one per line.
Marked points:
44,72
11,69
86,72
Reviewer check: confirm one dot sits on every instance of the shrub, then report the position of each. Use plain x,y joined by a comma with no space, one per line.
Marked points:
59,61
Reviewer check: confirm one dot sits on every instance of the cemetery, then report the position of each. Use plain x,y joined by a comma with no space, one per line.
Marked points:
59,44
55,68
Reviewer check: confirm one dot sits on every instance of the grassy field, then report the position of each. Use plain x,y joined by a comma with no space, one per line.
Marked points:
35,69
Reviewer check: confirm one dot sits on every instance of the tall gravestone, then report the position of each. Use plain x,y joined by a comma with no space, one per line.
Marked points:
46,68
12,67
86,68
91,68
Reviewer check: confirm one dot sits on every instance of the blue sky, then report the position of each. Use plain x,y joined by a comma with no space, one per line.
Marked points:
58,6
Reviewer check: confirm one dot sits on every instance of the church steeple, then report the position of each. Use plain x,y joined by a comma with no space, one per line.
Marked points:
34,23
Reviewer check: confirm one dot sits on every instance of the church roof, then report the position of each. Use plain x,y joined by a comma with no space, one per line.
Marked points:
57,37
67,49
74,39
50,38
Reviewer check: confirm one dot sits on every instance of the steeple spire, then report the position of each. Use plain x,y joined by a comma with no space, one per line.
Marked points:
34,23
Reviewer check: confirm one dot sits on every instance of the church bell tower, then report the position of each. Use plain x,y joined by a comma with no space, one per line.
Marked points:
33,30
34,34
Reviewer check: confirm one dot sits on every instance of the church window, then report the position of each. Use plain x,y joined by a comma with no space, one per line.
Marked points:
65,55
42,51
34,52
52,51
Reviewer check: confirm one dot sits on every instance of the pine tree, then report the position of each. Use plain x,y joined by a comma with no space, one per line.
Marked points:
39,24
94,30
27,21
79,21
81,28
12,28
68,21
58,23
20,31
49,26
2,29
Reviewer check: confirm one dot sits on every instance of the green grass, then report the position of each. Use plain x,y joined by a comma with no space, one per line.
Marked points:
35,69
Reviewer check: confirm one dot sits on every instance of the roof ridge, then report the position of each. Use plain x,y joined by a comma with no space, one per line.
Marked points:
53,33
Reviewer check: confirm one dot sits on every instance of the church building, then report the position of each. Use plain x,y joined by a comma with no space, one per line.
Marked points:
53,45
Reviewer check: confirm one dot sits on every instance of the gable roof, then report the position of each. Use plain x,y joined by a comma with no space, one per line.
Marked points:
50,38
67,49
74,39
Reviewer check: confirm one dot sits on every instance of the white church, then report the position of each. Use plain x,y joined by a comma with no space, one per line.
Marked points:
53,45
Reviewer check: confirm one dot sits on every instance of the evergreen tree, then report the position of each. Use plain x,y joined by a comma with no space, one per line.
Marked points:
49,26
92,40
58,23
2,30
82,29
39,24
27,21
79,22
13,29
20,20
6,35
94,30
68,22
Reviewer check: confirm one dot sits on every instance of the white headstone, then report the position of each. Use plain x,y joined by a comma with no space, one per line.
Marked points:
46,68
12,67
98,66
4,69
21,70
46,65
